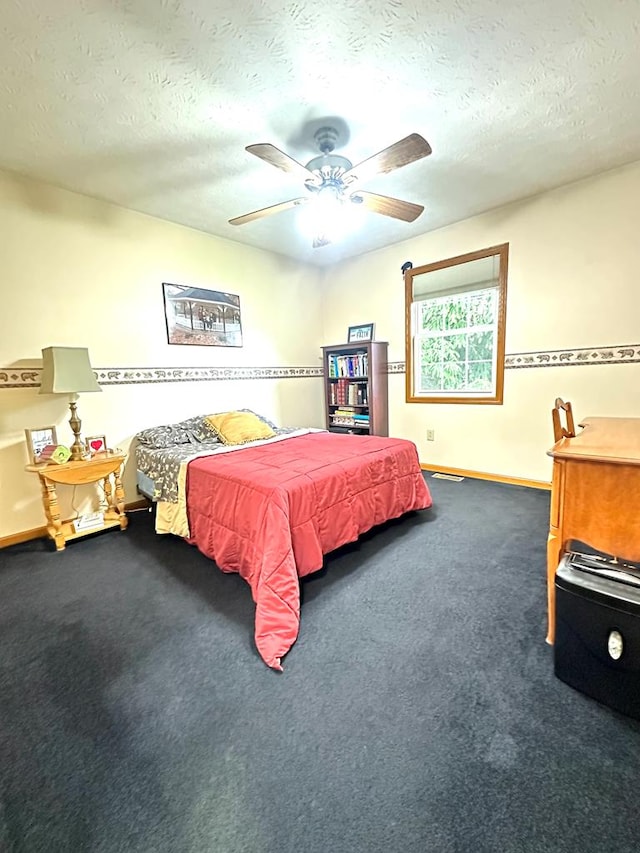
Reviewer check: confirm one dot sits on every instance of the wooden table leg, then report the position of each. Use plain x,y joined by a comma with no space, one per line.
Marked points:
52,512
554,551
108,492
555,543
120,501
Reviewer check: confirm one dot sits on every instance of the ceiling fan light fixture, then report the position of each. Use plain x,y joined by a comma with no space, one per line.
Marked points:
329,197
336,201
329,216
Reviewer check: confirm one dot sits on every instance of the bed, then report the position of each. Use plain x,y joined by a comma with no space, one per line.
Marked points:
272,506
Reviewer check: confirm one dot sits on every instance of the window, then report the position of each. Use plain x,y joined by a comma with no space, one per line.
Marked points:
455,312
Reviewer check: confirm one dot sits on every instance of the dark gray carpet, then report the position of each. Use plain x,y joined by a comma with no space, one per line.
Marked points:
417,712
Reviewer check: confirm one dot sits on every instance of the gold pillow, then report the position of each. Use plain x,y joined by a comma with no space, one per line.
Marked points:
239,427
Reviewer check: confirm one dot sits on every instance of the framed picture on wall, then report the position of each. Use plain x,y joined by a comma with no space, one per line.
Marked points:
200,317
360,333
37,439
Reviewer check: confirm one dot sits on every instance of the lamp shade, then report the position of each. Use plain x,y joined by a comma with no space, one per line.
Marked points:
67,370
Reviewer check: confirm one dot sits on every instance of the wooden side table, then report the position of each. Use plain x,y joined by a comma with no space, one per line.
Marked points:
104,466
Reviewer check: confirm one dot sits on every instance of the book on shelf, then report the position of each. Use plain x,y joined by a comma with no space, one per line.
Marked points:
349,419
348,365
350,393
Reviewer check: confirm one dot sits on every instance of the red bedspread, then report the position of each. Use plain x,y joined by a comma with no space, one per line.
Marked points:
271,513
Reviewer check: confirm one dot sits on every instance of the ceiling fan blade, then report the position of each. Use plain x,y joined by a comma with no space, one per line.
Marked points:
405,210
267,211
270,154
401,153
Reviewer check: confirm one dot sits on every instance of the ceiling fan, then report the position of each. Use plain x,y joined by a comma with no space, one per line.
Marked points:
332,181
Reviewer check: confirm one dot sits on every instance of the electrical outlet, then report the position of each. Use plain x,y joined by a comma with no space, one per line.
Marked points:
431,435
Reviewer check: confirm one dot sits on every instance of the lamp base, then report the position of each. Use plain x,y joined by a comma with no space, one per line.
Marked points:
77,448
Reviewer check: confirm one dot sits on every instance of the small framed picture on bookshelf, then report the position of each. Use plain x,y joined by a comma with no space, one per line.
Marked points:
360,333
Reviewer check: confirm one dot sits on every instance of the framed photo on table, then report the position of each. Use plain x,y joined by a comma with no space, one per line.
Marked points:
96,444
37,439
360,333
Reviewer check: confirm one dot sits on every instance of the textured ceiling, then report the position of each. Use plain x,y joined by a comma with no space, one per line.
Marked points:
150,103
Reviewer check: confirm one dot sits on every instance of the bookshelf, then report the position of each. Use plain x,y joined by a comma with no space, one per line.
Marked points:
356,388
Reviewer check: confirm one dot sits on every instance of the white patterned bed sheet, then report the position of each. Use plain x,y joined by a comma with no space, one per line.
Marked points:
167,468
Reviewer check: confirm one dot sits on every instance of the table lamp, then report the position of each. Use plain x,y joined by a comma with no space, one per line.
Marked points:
67,370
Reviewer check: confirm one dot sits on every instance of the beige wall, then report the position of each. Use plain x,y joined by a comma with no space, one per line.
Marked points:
84,273
573,282
79,272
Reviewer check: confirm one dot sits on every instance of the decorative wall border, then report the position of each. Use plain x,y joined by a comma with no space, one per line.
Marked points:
29,377
619,354
144,375
589,356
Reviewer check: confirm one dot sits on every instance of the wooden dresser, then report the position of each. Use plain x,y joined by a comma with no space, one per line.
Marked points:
595,494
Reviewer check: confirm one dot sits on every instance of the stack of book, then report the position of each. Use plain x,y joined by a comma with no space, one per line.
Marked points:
343,416
347,416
